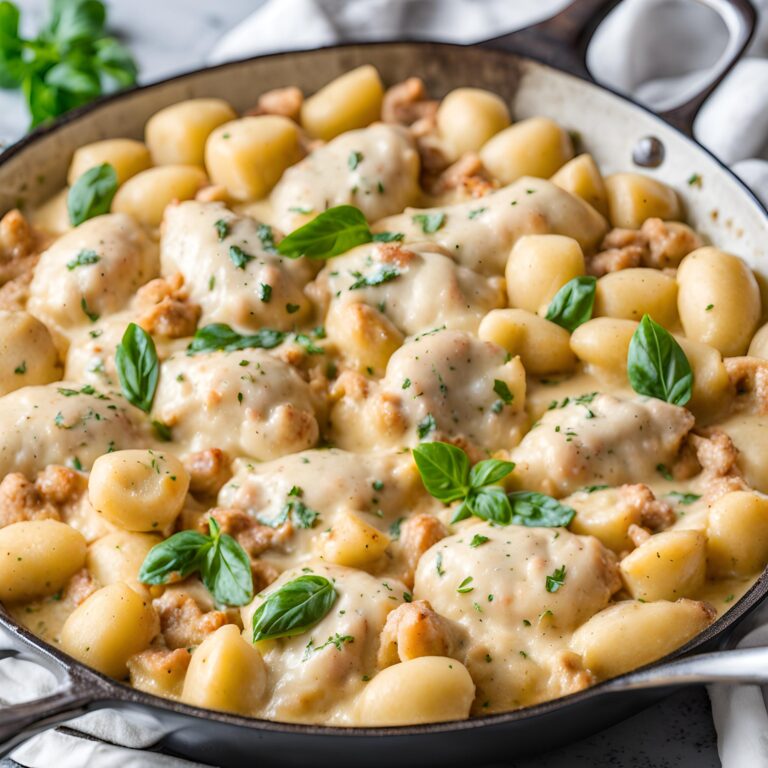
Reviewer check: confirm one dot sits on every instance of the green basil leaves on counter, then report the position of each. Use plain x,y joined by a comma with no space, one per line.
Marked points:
223,564
69,62
294,607
657,366
91,195
137,367
572,304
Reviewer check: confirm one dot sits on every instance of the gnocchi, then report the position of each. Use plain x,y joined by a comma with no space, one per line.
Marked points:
333,365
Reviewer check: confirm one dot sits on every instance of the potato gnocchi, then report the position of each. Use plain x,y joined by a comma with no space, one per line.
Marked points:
369,409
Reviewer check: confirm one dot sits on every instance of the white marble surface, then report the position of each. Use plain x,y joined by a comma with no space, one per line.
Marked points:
170,36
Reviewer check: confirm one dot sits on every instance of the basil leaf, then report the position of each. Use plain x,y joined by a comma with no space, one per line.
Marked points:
223,564
489,472
491,503
538,511
430,222
137,367
294,608
329,234
226,569
444,470
12,66
115,61
91,195
78,80
220,336
75,20
572,304
657,366
180,554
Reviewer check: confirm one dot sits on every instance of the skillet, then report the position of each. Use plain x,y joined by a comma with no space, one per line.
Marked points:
538,70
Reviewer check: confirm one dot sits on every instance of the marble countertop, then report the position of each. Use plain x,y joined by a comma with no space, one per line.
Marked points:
171,36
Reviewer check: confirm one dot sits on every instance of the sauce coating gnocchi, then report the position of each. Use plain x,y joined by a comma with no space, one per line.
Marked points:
367,409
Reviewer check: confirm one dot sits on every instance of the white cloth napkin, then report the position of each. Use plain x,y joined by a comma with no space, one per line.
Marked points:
638,51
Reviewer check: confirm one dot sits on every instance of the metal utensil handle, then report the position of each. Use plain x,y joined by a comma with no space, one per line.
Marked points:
562,41
738,666
76,690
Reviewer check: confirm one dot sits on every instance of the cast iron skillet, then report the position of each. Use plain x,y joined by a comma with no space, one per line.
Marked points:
611,126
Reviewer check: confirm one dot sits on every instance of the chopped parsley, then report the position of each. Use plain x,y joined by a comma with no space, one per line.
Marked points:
429,222
83,259
239,257
477,540
222,228
555,580
465,586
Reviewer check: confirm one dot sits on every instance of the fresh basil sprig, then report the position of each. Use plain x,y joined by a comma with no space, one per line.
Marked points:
536,510
91,195
447,476
334,231
137,367
657,366
67,63
572,305
220,336
222,563
294,608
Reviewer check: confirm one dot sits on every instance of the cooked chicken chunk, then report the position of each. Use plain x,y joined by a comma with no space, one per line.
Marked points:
375,169
600,439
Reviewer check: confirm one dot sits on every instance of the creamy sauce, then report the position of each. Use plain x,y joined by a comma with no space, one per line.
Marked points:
310,421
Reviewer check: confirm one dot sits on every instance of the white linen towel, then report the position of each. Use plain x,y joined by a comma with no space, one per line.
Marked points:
634,52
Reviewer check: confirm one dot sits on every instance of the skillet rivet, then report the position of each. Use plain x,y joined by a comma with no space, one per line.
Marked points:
648,152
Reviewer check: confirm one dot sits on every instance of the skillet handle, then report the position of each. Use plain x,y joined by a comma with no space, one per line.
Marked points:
738,666
562,40
740,19
77,689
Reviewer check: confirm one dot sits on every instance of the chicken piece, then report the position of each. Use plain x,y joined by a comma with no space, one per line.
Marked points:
208,471
603,439
620,249
568,675
417,535
407,102
668,242
285,102
165,309
638,535
439,386
375,169
654,513
79,588
15,293
159,670
182,622
415,629
657,244
479,235
467,178
749,379
254,537
17,247
55,488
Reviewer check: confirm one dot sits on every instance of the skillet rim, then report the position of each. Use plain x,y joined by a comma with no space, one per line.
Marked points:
124,694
